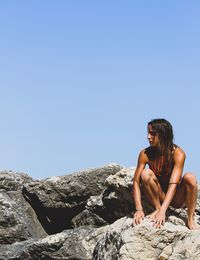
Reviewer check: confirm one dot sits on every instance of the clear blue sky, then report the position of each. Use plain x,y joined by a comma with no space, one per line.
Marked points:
81,79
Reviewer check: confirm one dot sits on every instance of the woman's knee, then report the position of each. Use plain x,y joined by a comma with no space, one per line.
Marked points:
146,175
190,180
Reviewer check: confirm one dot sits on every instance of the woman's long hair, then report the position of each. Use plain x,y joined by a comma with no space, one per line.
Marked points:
164,153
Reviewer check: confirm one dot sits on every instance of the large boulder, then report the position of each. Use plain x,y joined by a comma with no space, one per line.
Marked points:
118,241
58,200
116,200
13,181
123,241
76,244
18,220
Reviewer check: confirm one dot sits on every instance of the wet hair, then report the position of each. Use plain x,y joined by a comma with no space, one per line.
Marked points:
164,157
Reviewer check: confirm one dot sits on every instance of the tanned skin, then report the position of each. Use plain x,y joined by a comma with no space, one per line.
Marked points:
181,191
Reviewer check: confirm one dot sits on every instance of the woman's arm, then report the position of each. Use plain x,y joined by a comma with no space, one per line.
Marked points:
179,159
139,214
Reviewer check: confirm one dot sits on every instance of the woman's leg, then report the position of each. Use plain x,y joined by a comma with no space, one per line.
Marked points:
151,188
187,194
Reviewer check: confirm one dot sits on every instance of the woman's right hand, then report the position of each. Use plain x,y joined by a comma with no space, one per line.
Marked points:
138,217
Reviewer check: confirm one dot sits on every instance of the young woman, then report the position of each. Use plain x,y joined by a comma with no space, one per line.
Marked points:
162,183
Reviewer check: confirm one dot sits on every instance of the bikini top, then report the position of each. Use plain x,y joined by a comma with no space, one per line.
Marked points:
155,165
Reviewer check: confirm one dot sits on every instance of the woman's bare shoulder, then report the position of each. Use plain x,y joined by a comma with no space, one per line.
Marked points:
144,154
179,152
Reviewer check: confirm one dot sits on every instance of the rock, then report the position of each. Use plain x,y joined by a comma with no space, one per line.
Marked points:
116,200
58,200
188,248
87,218
94,207
18,220
69,244
124,242
13,181
119,240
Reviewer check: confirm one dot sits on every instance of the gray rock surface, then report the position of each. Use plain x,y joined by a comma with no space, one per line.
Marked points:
13,181
65,245
58,200
97,206
119,240
18,220
122,241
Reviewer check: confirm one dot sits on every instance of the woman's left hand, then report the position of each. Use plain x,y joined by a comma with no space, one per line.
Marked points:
159,219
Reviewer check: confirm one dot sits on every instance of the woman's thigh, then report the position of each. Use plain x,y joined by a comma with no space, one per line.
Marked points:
180,196
151,184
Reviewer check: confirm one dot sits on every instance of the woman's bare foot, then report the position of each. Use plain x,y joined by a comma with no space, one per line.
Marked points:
192,224
153,214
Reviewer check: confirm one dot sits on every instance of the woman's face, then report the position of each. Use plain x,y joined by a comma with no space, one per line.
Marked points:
152,137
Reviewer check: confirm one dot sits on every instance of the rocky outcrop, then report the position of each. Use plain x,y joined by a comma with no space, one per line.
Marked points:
119,240
18,220
123,241
86,215
58,200
69,244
